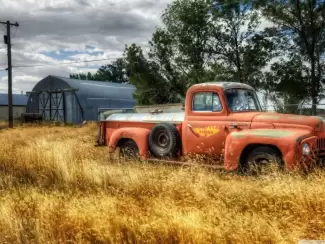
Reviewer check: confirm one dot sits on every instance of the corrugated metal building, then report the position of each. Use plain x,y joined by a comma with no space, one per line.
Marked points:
73,101
19,103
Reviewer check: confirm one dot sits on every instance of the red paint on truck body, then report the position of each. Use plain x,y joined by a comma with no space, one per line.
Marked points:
225,134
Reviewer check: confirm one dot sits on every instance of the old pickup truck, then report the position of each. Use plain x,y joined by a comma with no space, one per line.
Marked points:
220,120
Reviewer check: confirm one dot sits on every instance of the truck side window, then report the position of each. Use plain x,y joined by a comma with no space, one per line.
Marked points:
206,101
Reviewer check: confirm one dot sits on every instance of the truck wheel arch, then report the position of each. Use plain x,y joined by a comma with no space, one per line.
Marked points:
250,147
269,148
138,135
130,144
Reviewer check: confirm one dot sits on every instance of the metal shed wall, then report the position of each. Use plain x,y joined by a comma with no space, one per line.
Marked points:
17,99
81,104
16,112
97,94
19,103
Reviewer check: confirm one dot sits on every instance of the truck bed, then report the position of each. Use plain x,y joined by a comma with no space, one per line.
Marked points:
175,118
168,113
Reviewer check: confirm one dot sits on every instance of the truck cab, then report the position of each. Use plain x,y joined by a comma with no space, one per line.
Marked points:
223,121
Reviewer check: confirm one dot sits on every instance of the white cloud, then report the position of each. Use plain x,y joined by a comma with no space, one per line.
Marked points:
82,29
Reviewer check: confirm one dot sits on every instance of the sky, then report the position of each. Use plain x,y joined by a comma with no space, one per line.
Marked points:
55,31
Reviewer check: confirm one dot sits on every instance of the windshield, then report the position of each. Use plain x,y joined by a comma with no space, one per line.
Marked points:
242,100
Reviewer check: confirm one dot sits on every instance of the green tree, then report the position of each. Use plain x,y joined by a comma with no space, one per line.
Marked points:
202,40
82,76
240,47
300,30
187,30
289,82
151,86
90,76
162,53
115,72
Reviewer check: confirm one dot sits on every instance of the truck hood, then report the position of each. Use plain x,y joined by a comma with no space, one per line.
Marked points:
279,118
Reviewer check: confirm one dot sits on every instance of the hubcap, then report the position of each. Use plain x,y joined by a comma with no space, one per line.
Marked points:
260,164
129,152
161,139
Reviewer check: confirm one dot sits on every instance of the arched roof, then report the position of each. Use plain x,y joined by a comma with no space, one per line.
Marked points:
91,95
99,89
87,89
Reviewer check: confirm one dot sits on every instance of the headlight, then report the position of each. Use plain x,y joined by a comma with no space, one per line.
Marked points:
305,149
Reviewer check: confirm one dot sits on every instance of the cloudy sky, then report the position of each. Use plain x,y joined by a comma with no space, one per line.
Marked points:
56,31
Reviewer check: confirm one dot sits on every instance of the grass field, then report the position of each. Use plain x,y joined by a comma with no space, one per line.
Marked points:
56,187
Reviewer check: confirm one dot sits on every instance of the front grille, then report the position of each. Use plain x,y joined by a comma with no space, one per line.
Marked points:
320,143
320,147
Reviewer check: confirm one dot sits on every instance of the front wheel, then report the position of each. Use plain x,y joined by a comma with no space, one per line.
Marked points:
262,160
129,150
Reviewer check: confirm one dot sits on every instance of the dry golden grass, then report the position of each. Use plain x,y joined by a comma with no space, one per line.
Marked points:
56,187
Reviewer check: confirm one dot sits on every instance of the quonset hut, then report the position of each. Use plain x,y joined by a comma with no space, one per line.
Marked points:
73,101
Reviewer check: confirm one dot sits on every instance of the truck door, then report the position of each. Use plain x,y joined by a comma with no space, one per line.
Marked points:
204,129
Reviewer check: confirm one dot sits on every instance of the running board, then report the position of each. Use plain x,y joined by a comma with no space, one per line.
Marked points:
187,164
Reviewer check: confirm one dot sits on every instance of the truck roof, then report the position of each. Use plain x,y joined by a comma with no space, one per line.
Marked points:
225,85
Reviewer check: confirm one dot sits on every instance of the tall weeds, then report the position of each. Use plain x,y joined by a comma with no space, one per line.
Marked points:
56,187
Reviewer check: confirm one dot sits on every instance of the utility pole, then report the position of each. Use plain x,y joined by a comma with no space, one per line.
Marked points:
7,40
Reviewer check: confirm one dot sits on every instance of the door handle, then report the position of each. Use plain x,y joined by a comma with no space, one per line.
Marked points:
233,125
236,125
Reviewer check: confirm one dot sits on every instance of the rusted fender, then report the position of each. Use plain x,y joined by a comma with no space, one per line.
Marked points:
139,135
286,140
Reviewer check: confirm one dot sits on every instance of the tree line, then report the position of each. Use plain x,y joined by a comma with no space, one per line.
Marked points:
277,46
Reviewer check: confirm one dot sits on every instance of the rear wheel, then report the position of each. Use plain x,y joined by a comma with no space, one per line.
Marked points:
129,150
262,160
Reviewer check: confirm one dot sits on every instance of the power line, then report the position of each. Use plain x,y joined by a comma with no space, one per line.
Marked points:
73,62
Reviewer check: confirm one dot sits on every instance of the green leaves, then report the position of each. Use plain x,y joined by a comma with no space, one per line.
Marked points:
225,40
115,72
145,75
300,29
240,47
205,40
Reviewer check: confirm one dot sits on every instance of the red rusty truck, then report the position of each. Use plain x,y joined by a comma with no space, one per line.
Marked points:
220,120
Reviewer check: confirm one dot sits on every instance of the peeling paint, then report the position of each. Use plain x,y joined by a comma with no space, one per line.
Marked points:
263,133
296,117
300,138
269,116
287,118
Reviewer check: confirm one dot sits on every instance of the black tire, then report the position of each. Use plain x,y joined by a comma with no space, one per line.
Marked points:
259,159
129,150
164,140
